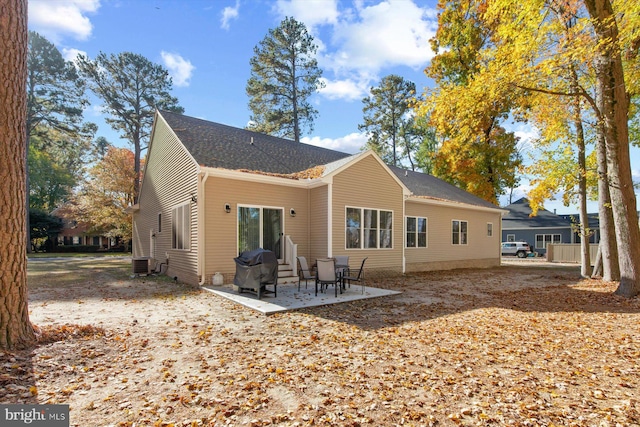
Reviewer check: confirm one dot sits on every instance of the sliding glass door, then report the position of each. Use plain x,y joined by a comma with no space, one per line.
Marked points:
260,227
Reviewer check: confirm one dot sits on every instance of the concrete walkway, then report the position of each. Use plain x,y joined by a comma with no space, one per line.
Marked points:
290,299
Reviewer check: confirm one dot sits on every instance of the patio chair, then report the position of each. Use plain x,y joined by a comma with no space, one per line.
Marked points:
342,261
342,264
303,272
352,277
326,275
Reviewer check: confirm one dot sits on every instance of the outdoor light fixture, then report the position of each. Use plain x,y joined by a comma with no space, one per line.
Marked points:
227,208
194,198
292,212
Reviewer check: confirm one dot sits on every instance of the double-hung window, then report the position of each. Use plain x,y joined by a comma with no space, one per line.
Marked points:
181,227
416,230
459,232
369,228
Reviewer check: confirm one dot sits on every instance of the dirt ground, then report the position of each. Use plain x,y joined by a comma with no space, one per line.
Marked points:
516,345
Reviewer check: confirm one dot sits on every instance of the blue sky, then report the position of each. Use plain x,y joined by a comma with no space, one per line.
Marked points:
206,46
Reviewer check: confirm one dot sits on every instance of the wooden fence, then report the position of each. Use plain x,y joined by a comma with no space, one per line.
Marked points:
569,252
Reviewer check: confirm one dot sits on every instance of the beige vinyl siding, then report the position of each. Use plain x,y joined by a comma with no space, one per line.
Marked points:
220,232
481,250
367,184
170,180
318,223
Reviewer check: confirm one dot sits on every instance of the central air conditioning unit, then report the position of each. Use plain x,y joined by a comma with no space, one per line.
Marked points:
141,265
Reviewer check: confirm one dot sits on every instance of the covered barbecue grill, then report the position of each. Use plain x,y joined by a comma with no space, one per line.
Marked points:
255,270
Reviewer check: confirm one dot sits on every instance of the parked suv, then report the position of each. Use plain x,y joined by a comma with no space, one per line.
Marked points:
520,249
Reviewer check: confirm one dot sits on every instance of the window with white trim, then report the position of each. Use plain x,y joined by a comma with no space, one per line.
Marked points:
368,228
181,227
542,240
459,232
416,231
489,229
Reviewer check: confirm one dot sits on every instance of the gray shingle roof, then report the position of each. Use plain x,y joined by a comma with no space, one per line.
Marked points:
518,217
220,146
421,184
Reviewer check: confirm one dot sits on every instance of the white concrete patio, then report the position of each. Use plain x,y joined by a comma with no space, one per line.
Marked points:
290,299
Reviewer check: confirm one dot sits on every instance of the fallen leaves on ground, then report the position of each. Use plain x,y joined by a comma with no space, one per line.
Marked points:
505,346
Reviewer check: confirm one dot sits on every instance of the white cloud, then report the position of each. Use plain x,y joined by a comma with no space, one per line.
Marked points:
309,12
528,135
95,110
347,89
390,33
71,54
179,68
58,19
229,13
367,38
347,144
364,39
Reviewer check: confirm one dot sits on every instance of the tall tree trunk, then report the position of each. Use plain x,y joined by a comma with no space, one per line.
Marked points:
294,101
584,230
614,108
608,246
15,328
27,227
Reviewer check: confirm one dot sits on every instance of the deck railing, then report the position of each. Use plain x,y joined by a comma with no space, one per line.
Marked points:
291,254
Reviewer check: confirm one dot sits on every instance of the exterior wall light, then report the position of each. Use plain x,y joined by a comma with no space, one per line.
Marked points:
227,208
292,212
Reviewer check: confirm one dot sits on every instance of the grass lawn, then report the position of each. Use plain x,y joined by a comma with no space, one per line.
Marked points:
36,255
75,268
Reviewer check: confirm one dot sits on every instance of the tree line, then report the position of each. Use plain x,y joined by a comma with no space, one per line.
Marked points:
61,144
567,67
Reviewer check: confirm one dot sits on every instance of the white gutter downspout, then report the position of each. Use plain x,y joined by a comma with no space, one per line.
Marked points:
404,234
308,254
330,218
201,229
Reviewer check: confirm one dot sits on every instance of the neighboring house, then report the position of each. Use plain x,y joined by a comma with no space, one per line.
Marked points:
76,233
594,226
212,191
539,231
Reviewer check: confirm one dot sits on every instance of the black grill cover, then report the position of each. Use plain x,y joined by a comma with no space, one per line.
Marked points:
256,268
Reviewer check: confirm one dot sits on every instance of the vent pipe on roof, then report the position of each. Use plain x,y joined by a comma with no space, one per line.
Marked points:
406,173
251,141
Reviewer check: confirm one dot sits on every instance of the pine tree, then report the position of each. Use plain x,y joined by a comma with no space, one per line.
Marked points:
389,122
15,327
284,75
55,127
132,88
